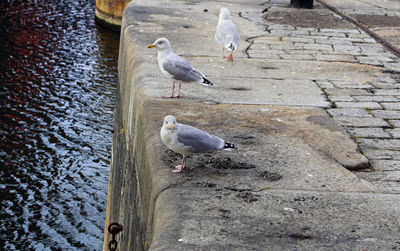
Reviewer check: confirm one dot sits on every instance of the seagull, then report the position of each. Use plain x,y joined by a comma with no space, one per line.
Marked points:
176,67
227,33
185,139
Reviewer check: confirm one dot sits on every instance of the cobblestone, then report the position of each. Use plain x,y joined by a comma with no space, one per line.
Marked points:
386,114
371,62
283,46
374,58
266,40
376,98
384,186
386,165
391,106
369,105
299,39
395,123
333,98
322,47
369,40
324,40
361,122
352,31
297,57
349,112
394,132
377,154
383,85
385,144
346,48
357,37
355,85
336,58
347,92
329,34
390,92
263,55
371,47
369,132
280,27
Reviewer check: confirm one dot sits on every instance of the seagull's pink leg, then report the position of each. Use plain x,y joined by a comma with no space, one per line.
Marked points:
180,167
230,57
172,94
179,90
223,52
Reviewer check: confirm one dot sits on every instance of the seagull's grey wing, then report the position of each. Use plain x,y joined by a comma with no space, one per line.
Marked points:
227,33
196,140
180,69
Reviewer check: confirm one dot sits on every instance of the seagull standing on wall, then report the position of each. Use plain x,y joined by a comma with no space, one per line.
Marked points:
227,33
176,67
185,139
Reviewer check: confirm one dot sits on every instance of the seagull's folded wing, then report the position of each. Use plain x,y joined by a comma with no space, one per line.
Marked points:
196,140
180,69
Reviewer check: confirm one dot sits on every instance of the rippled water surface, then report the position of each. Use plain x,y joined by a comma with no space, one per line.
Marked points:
58,74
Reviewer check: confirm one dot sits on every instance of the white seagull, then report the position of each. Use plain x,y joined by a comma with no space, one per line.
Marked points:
176,67
227,33
185,139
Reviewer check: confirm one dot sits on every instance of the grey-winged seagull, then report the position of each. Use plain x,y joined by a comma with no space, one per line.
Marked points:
185,139
227,33
176,67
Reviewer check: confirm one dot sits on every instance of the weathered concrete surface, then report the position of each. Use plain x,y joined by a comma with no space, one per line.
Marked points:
274,220
286,187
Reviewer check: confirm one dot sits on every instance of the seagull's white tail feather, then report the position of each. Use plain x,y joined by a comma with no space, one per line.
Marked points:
231,47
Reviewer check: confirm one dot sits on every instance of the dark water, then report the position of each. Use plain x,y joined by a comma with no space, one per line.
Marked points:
58,74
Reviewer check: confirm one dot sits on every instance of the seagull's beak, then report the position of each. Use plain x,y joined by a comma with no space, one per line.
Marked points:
151,46
171,127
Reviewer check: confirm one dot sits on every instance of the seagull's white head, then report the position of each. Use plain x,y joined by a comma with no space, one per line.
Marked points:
170,122
161,44
224,14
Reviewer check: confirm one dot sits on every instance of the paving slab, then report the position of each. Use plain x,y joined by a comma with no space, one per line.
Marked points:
374,154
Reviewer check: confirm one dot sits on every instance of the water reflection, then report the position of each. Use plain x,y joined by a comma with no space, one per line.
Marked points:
57,88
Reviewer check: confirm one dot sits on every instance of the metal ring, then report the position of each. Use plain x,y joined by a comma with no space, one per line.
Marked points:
112,245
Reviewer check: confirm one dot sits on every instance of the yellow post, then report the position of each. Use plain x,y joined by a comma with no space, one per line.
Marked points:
109,12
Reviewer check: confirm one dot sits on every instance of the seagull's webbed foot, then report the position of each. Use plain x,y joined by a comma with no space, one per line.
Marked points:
177,169
230,58
171,96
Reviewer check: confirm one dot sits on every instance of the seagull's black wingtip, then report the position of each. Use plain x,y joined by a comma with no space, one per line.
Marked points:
207,82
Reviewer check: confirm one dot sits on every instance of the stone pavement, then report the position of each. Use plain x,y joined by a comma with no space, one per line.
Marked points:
369,108
308,98
382,17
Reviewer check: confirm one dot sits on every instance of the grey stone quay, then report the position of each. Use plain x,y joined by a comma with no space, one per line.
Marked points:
312,103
